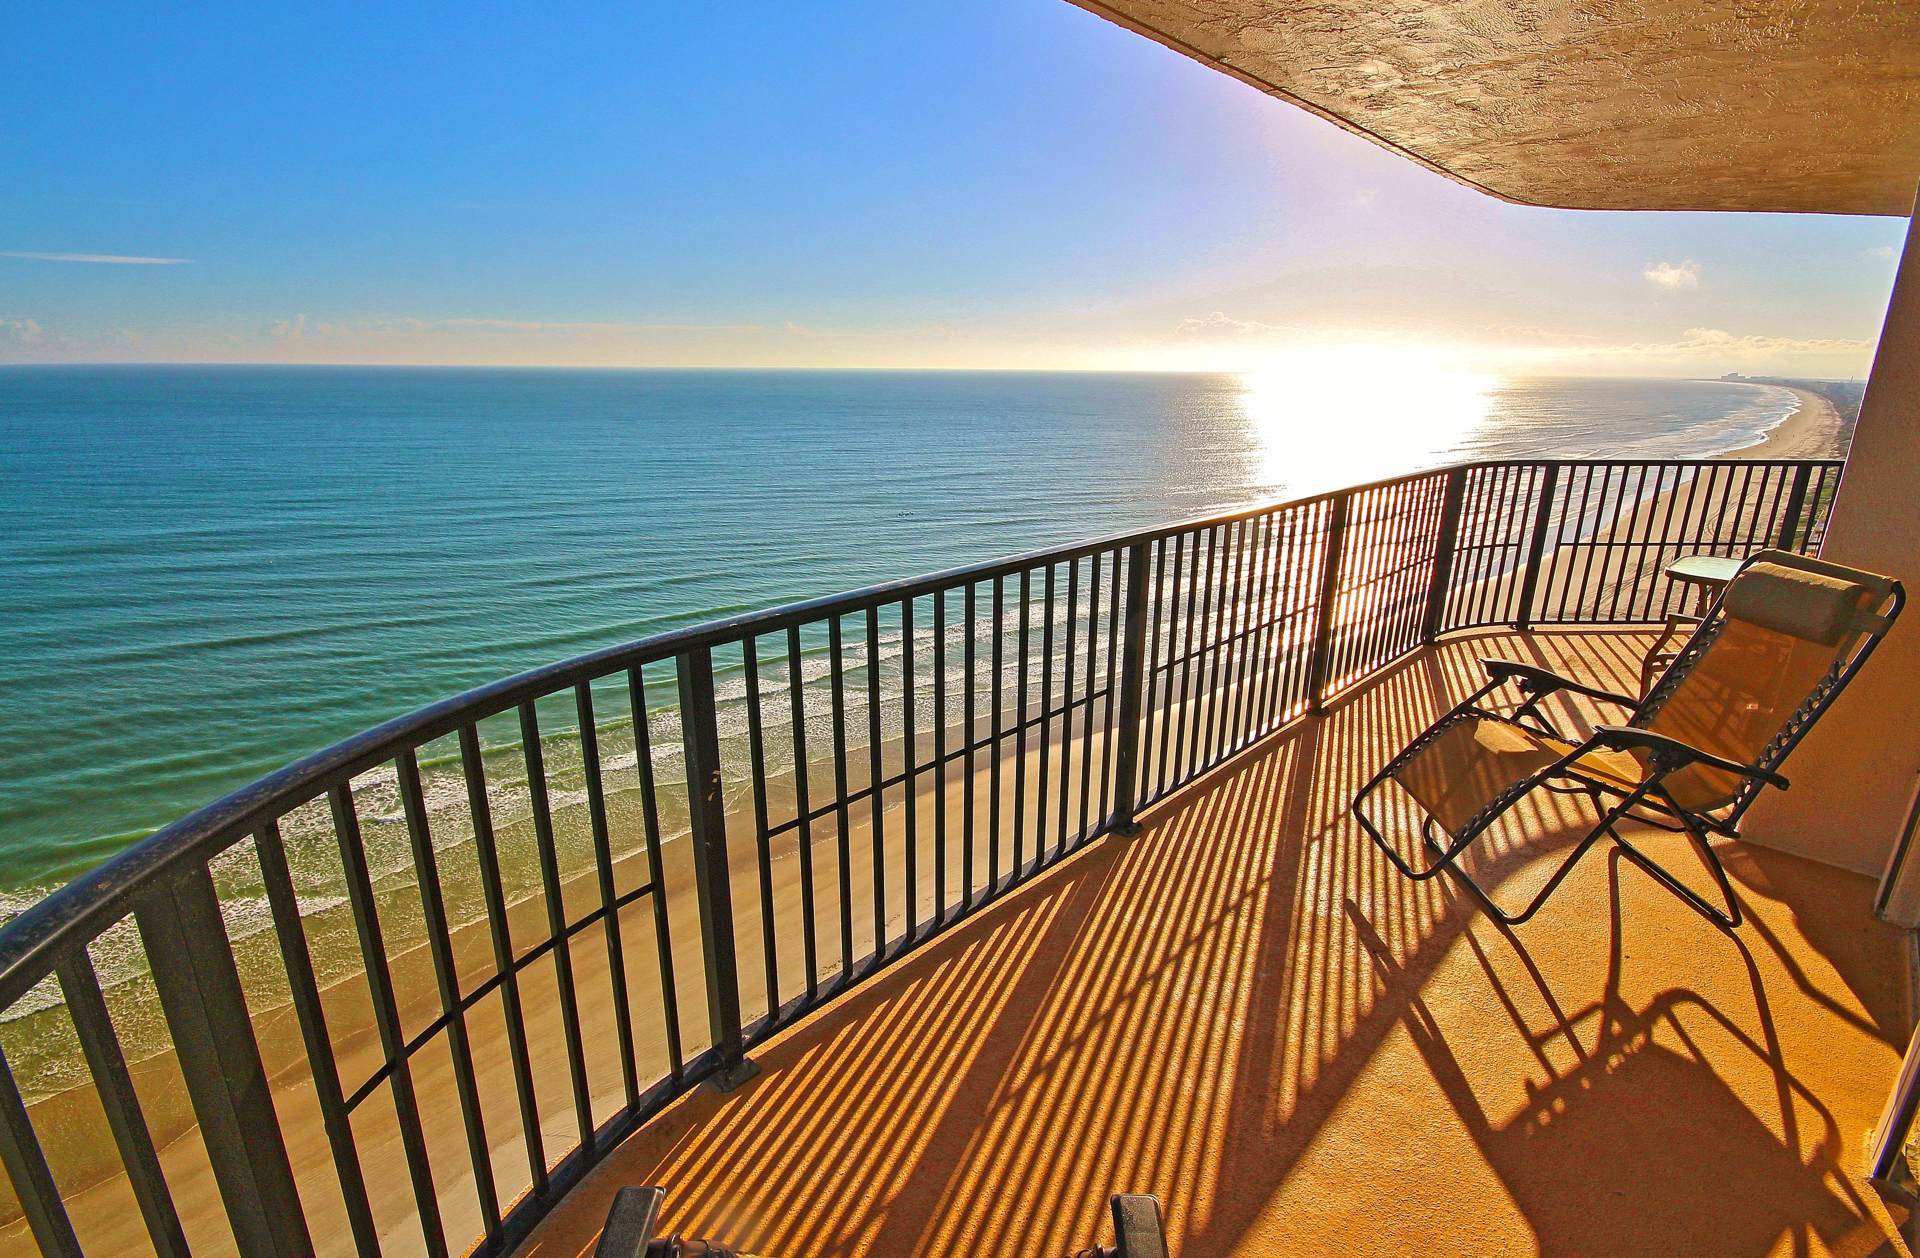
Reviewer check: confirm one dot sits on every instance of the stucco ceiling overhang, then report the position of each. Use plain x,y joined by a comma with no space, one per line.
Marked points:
1808,106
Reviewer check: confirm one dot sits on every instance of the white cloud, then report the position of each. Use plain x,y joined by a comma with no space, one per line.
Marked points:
1707,345
1878,251
109,259
1720,341
1220,322
22,331
301,328
1673,275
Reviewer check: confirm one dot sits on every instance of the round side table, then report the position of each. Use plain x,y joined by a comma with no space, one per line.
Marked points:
1706,575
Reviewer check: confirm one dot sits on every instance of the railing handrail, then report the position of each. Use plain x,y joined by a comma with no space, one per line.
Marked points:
31,943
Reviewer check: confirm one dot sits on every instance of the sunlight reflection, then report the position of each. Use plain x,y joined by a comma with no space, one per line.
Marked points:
1341,415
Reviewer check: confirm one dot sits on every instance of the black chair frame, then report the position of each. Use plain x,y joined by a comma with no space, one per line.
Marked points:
1648,802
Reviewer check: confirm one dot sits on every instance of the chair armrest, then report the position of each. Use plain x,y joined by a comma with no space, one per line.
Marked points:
1632,737
1544,681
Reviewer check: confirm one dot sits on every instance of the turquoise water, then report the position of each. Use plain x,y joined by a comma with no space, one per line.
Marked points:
206,572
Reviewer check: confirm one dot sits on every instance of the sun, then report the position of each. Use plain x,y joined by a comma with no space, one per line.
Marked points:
1327,416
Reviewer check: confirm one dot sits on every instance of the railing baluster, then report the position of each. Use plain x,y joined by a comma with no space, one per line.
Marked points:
656,866
325,1073
836,679
1043,781
1109,709
440,950
500,935
1530,578
199,992
1020,728
1494,580
803,819
1224,609
1189,644
939,758
1787,538
1086,723
1272,626
1632,547
876,791
763,845
1333,545
910,801
1659,562
26,1167
549,858
101,1046
623,1015
1259,623
803,814
1437,585
1592,543
968,649
1167,628
707,816
1159,696
1067,704
993,755
609,896
1246,617
1132,668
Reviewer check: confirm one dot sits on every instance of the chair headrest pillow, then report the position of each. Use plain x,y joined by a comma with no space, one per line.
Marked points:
1809,605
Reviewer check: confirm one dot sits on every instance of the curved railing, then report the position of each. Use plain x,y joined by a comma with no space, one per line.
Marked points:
354,1005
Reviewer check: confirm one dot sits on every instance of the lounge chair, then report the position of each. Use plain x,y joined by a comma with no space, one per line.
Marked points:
1785,638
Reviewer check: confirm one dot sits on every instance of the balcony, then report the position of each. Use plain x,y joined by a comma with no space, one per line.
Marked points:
868,865
1245,1011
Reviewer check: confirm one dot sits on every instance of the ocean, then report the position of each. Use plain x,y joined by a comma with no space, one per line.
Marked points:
207,572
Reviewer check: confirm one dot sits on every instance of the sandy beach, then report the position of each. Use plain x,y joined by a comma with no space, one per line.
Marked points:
1815,431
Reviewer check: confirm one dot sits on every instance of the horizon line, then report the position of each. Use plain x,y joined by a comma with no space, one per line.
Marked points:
1731,377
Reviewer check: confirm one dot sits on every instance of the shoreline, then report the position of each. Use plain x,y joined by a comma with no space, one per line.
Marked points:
1814,430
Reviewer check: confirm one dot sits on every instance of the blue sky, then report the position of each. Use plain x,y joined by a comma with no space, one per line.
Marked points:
1004,183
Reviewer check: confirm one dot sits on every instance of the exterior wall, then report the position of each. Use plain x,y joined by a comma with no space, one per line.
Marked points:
1854,776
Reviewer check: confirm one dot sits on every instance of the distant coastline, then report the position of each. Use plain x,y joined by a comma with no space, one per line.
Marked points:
1817,430
1822,426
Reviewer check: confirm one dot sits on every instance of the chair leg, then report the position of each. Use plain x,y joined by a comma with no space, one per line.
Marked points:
1533,906
1728,918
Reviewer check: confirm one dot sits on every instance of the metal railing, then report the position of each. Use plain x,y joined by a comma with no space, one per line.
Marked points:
462,955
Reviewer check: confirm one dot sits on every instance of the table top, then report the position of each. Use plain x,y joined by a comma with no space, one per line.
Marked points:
1703,569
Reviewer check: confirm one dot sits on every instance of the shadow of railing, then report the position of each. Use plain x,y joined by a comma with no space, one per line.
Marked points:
1195,1011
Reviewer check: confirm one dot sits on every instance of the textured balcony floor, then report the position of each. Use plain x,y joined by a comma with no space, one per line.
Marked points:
1244,1011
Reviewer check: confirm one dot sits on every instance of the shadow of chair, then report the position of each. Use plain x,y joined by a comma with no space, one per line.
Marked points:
1639,1145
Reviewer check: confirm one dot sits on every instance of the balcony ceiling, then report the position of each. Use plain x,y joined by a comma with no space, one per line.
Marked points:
1808,106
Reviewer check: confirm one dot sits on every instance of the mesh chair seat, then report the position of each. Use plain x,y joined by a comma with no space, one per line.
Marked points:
1475,760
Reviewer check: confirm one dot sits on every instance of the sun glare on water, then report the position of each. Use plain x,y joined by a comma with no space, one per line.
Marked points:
1326,417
